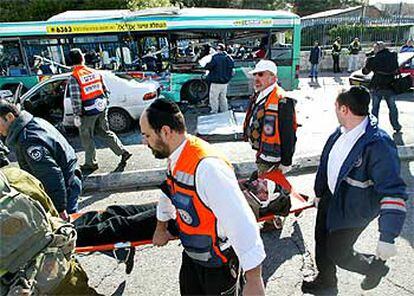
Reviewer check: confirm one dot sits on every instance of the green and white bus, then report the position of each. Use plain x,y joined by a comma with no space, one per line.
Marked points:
165,44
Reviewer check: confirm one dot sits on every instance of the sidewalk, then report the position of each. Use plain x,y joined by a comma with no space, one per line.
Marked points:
316,113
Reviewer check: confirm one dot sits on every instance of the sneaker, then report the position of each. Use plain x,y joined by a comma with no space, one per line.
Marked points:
88,167
319,284
125,156
377,271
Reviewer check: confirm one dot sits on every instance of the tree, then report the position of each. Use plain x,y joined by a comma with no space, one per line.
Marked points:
143,4
306,7
38,10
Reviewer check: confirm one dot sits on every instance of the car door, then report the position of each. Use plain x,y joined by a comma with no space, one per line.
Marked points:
45,98
67,109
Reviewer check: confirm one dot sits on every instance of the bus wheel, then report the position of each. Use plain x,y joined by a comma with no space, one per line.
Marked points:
119,120
195,91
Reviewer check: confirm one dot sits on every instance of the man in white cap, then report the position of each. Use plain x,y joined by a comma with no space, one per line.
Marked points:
270,124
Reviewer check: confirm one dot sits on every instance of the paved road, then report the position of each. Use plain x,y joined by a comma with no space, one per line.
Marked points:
316,113
289,254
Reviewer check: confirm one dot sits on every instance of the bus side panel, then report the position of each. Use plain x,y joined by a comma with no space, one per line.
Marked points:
12,82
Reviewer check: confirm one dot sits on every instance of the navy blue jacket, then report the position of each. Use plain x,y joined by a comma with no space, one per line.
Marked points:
315,55
220,68
369,184
42,151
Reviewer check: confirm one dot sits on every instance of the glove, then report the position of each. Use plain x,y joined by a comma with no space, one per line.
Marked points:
316,201
284,169
385,250
77,121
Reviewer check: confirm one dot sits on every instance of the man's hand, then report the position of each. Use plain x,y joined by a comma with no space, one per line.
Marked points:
64,215
254,282
316,201
385,250
77,121
161,234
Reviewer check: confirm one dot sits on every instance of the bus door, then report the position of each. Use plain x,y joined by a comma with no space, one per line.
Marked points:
281,52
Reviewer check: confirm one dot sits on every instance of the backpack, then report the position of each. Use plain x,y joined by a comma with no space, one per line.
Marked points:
34,245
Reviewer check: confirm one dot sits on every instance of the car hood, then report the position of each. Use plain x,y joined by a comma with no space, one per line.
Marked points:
124,85
403,58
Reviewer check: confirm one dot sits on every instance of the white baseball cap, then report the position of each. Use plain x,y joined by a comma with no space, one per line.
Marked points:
265,65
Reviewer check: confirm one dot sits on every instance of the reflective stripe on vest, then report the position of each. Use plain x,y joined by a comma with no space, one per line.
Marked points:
196,222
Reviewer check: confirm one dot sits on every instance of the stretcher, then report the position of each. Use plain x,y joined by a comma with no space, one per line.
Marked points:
299,203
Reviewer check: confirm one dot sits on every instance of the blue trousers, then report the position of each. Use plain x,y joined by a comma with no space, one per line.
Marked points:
388,96
314,70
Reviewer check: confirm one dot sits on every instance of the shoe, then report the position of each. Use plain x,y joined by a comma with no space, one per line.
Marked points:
125,156
87,167
319,284
377,271
129,261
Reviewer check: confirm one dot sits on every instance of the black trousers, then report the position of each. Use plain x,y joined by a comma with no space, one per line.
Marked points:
196,279
336,68
337,248
118,224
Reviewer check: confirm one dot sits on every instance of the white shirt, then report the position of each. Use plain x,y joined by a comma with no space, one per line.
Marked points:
266,92
341,149
218,188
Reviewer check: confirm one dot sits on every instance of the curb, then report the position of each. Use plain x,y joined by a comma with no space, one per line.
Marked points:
151,178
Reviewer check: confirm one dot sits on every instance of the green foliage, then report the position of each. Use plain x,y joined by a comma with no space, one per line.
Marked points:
367,34
37,10
306,7
143,4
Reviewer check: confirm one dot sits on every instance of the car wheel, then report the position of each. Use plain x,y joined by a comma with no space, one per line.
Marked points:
119,120
194,91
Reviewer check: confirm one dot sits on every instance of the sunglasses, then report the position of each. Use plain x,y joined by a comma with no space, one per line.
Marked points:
260,74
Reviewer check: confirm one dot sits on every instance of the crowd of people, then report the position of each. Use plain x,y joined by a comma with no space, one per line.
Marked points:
316,55
201,201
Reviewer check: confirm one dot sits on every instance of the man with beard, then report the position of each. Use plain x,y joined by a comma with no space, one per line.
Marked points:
216,227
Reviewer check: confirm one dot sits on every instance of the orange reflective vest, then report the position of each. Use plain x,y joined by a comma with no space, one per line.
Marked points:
92,89
196,222
261,126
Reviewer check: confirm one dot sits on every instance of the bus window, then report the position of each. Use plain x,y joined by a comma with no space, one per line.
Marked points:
45,53
11,61
154,53
187,48
101,52
281,49
247,46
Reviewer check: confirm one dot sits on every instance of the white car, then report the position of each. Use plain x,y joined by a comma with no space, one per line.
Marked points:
50,100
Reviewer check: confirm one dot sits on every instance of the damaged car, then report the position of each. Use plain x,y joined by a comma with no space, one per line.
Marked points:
50,100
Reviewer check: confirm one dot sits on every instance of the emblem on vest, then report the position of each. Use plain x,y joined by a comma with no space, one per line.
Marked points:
358,162
269,125
35,152
100,104
185,216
